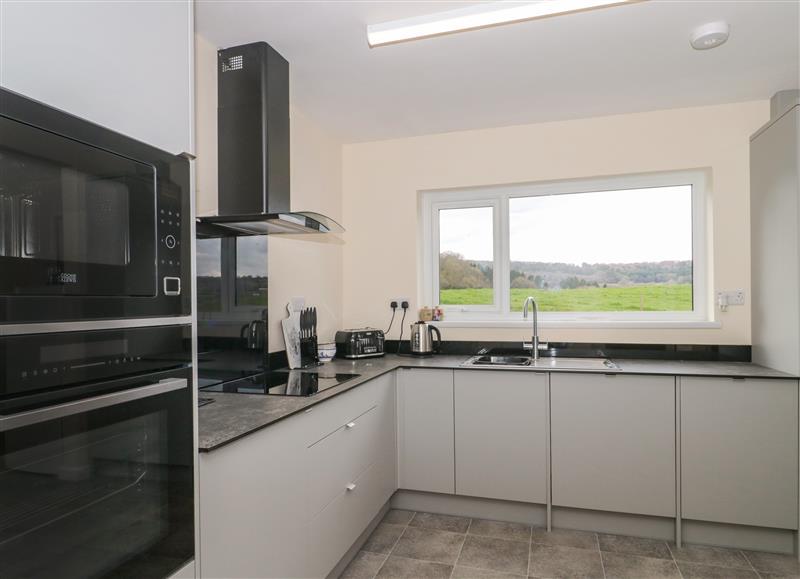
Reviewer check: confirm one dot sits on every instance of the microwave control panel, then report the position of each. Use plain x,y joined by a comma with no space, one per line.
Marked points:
169,250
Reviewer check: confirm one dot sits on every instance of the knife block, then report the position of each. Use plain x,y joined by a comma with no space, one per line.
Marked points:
309,355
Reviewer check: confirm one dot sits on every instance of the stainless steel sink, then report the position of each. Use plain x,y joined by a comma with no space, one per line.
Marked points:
488,360
550,363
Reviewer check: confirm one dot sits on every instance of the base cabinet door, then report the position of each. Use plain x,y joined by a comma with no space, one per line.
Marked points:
501,435
425,440
739,451
613,442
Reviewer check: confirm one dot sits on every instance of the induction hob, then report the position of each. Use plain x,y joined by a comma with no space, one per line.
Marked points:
282,383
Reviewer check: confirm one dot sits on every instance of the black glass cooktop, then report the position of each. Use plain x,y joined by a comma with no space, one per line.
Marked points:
282,383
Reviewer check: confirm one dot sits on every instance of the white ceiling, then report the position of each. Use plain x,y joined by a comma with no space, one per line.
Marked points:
615,60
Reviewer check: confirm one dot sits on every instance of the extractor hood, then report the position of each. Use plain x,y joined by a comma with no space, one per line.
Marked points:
253,148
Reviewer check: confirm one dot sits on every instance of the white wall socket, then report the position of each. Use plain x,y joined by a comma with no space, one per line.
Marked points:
730,298
400,301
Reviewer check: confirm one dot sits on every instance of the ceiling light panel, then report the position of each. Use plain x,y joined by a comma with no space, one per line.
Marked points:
477,16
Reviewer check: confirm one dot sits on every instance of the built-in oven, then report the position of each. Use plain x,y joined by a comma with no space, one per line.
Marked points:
92,217
96,453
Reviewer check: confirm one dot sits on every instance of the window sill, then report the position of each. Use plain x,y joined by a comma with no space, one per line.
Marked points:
586,324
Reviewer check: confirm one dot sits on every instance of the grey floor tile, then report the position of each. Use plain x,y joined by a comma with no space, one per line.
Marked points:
706,555
698,571
634,546
461,572
364,565
500,530
398,517
495,554
781,565
383,538
402,568
440,522
565,538
562,562
618,566
429,545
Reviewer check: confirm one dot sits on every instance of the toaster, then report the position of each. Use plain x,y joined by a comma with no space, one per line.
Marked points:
361,343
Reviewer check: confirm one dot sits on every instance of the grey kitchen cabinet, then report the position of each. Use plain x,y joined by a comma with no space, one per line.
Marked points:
739,451
774,239
425,438
613,443
127,66
289,500
501,435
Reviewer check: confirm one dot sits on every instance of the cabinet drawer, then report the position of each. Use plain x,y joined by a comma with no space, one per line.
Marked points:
324,419
339,458
331,533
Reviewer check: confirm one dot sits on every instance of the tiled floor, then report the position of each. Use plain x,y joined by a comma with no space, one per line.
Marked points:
421,545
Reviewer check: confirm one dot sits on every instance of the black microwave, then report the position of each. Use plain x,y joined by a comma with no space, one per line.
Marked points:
94,225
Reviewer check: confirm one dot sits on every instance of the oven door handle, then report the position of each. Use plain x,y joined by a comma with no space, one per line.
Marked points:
32,417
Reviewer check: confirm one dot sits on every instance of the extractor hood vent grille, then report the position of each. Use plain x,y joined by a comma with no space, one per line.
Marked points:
233,63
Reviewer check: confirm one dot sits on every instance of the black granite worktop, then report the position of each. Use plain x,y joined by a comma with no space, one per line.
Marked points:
233,416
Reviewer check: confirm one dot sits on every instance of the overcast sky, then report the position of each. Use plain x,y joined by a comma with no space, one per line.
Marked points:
629,226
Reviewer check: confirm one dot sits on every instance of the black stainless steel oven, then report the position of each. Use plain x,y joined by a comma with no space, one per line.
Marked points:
96,453
92,217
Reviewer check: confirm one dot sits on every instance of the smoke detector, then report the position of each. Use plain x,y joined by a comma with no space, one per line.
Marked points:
710,35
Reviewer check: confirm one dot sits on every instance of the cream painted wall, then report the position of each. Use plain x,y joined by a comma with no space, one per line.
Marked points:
381,181
299,265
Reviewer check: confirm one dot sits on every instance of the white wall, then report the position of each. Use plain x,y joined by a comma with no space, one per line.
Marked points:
381,181
306,266
125,65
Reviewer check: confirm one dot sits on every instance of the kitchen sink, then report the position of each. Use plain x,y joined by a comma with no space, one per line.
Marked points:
547,362
489,360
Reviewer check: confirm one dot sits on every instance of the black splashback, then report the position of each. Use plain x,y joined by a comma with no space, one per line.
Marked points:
695,352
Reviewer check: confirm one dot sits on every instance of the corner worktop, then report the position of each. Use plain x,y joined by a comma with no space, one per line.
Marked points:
232,416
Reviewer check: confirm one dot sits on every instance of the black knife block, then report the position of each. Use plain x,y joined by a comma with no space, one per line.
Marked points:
309,353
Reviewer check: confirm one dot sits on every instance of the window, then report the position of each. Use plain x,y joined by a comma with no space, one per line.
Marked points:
618,249
231,276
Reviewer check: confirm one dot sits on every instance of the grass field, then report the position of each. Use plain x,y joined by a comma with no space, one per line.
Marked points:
646,298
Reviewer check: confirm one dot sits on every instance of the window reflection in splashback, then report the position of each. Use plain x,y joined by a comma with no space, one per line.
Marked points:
231,303
209,275
251,271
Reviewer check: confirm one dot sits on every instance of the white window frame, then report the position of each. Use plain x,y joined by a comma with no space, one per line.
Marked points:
499,314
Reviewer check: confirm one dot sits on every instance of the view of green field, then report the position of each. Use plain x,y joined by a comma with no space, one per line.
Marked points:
634,298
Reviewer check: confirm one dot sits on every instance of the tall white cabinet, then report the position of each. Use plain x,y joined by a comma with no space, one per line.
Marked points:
127,66
775,244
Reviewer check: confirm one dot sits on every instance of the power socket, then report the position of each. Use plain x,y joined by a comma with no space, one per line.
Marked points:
400,301
730,298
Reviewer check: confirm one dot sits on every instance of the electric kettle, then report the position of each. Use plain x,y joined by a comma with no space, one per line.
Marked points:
421,340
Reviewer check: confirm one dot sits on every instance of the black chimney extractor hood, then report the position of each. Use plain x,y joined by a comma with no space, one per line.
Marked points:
253,148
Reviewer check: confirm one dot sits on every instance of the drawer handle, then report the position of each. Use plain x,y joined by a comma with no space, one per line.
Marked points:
351,487
350,425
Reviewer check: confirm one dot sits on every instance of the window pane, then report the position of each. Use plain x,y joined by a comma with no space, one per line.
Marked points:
251,271
466,256
209,275
608,251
